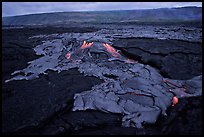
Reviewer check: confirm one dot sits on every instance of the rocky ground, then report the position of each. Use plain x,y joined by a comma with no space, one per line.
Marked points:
171,57
43,105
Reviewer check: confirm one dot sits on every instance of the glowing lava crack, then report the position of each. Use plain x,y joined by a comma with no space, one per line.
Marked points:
137,91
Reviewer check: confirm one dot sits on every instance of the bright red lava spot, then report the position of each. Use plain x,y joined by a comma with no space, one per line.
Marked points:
68,56
86,45
111,50
174,101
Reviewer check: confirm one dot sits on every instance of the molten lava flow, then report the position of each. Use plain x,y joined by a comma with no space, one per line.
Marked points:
111,50
174,101
86,45
68,56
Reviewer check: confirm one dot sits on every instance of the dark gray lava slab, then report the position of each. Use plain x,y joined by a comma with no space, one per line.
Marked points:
34,101
135,78
183,119
175,59
28,103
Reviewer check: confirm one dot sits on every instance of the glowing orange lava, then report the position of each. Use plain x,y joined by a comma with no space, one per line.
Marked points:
68,56
174,101
86,45
111,50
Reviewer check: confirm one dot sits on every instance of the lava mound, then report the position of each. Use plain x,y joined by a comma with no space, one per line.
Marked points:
135,90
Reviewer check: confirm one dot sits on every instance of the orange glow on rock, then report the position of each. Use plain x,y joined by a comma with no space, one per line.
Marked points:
68,56
86,45
111,50
174,101
130,61
166,81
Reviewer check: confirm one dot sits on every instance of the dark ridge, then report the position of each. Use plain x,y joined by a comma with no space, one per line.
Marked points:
162,15
164,73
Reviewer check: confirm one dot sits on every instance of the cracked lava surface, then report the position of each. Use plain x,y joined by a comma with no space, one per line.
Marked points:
135,90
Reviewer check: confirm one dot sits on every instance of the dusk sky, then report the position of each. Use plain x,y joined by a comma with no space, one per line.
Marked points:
22,8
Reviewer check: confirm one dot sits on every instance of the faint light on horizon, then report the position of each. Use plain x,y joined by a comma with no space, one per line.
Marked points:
25,8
